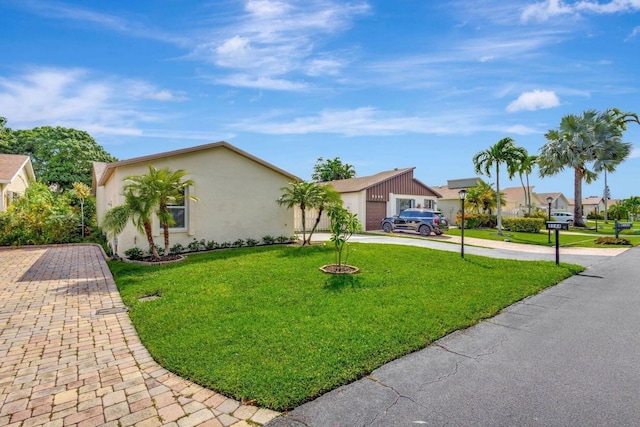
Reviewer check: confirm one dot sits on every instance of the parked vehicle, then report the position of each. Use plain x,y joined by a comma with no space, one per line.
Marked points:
424,221
566,217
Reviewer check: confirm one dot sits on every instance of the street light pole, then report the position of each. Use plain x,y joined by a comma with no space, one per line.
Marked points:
549,200
463,195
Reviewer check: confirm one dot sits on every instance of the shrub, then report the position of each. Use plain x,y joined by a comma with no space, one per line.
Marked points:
160,250
268,240
225,245
251,242
538,214
473,220
196,245
134,253
211,244
526,225
282,239
611,241
238,243
294,238
176,249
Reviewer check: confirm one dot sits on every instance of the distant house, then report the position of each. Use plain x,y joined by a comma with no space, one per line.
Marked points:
450,203
16,173
559,203
384,194
516,201
237,195
592,204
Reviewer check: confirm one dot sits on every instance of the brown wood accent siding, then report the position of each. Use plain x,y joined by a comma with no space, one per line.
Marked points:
376,211
402,184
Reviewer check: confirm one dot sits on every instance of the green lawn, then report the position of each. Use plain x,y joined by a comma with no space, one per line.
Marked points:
265,324
567,239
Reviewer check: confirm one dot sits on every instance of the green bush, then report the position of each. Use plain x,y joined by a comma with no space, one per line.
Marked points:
176,249
474,220
538,214
526,225
134,253
268,240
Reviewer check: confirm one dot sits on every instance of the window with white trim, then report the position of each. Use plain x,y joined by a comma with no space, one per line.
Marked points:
179,212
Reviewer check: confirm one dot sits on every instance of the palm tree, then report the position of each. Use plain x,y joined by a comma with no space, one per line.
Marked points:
170,189
504,151
138,208
302,194
524,166
482,196
589,144
327,196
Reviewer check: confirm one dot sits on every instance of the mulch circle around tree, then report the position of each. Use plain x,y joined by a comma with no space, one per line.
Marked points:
339,269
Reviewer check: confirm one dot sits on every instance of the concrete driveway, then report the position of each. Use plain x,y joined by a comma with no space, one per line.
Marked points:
566,357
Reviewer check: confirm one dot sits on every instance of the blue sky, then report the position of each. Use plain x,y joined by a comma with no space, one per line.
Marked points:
380,84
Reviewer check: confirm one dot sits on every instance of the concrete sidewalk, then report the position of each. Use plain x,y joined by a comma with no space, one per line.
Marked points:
489,248
69,355
566,357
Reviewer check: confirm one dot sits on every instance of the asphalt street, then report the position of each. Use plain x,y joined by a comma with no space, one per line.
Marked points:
568,356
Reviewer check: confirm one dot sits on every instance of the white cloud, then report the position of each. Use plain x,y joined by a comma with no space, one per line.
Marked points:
634,33
534,100
272,39
548,9
369,121
249,81
75,98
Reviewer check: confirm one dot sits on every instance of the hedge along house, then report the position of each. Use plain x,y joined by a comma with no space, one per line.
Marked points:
384,194
236,193
16,173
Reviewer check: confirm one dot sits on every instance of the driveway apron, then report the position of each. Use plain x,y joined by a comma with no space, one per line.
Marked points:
568,356
69,355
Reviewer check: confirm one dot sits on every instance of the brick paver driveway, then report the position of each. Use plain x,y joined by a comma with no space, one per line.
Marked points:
69,355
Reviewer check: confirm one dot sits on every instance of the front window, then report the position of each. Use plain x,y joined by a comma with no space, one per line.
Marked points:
178,210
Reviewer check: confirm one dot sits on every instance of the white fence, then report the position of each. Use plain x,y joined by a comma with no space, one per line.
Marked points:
310,219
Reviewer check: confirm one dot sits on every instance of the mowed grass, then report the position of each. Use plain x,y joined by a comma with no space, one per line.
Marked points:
584,239
264,324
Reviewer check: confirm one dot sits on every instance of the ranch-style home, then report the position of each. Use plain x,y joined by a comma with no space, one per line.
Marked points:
236,193
384,194
16,173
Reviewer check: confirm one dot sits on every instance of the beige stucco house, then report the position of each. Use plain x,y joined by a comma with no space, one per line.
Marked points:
16,173
559,203
236,193
450,204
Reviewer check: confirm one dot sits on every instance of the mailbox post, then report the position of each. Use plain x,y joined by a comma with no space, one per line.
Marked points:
621,226
556,227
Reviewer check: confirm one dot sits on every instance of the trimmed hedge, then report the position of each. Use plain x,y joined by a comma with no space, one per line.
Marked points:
473,220
526,225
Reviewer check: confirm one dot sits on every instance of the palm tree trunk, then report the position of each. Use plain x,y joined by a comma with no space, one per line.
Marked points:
320,209
577,188
148,232
304,223
165,230
498,199
528,194
524,189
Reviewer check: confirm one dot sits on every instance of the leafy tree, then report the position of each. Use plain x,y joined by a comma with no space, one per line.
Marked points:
327,196
331,170
39,217
618,211
590,143
60,156
632,204
81,192
504,151
482,198
524,166
304,195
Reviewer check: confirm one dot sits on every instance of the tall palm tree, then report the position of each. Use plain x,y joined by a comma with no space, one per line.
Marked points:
170,189
302,194
504,151
590,144
139,209
326,197
524,166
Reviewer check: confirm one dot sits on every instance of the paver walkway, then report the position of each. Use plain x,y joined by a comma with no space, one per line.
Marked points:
69,355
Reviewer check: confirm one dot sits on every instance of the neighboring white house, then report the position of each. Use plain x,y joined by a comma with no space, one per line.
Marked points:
384,194
237,195
559,203
450,204
516,201
16,173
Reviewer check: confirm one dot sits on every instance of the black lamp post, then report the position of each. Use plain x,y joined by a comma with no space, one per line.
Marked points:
549,200
463,195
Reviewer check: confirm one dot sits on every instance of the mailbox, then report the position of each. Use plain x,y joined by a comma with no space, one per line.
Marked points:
624,225
554,225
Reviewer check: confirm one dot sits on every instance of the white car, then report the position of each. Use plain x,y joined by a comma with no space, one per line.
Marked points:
565,217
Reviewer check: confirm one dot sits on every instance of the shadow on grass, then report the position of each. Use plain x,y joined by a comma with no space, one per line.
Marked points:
341,282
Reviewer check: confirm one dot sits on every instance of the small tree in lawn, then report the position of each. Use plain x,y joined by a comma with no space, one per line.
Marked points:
343,225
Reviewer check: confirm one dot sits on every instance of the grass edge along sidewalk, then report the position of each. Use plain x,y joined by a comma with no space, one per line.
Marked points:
264,325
